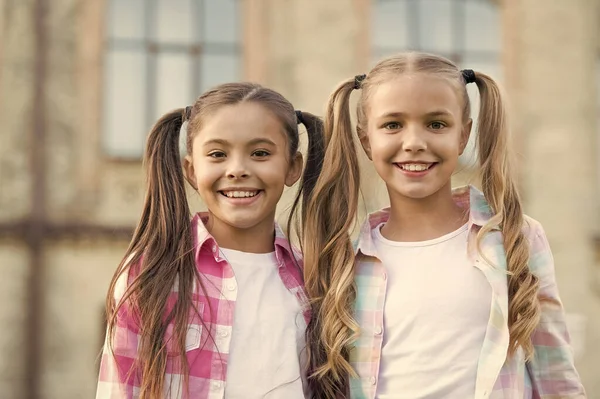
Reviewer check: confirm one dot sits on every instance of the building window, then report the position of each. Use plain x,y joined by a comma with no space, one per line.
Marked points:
465,31
161,55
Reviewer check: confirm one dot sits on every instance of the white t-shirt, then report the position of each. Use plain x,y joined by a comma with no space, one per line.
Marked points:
436,314
268,332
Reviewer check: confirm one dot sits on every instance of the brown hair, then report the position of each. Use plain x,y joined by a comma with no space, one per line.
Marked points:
329,255
161,251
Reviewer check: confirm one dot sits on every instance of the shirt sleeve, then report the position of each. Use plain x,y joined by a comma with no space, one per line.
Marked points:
119,376
552,370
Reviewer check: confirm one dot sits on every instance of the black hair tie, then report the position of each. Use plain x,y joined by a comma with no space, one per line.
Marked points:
300,117
468,75
188,112
358,81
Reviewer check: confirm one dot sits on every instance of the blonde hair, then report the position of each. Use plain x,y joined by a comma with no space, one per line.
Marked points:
329,255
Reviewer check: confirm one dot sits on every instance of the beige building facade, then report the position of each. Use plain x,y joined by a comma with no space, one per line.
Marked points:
80,84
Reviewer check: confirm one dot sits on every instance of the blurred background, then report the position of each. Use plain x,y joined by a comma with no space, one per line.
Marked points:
82,81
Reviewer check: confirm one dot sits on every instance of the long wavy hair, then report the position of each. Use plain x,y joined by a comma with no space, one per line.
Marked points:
160,255
328,253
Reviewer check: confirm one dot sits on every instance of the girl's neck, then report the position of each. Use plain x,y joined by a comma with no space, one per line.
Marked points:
259,238
423,219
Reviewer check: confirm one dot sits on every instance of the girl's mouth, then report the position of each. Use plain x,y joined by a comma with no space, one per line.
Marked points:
415,169
240,193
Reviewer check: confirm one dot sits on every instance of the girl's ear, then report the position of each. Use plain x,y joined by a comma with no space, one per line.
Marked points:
364,142
189,171
465,134
295,170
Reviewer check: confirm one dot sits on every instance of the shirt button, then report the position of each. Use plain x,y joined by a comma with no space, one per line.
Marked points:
378,330
372,380
216,384
231,287
223,333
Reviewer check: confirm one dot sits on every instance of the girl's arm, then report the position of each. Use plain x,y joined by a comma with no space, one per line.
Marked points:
119,378
552,369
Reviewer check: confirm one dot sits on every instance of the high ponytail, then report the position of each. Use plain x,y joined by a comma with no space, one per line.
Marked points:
329,255
156,259
314,162
500,189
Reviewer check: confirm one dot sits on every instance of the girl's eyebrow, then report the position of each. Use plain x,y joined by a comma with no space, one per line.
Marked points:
438,113
216,141
432,114
392,114
260,140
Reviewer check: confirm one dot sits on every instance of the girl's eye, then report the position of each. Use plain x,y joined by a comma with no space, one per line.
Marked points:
216,154
261,153
436,125
392,126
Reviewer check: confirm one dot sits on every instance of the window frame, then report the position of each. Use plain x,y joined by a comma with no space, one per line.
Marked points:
152,48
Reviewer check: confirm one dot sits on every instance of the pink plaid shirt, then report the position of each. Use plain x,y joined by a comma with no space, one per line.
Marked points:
550,374
207,358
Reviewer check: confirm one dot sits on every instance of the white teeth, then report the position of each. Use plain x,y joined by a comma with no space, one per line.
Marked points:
240,194
415,167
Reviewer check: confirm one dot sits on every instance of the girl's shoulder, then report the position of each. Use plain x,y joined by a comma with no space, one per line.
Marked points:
283,243
541,260
531,227
129,270
482,213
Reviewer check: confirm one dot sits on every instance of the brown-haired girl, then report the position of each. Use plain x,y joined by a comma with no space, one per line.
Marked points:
448,293
214,306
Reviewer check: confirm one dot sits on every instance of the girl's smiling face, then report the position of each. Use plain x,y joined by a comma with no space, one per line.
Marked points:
415,133
240,164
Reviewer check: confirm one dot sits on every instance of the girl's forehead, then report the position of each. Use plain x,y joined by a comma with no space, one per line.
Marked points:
413,92
241,123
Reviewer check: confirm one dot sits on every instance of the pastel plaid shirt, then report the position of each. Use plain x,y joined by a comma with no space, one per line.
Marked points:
207,358
550,375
